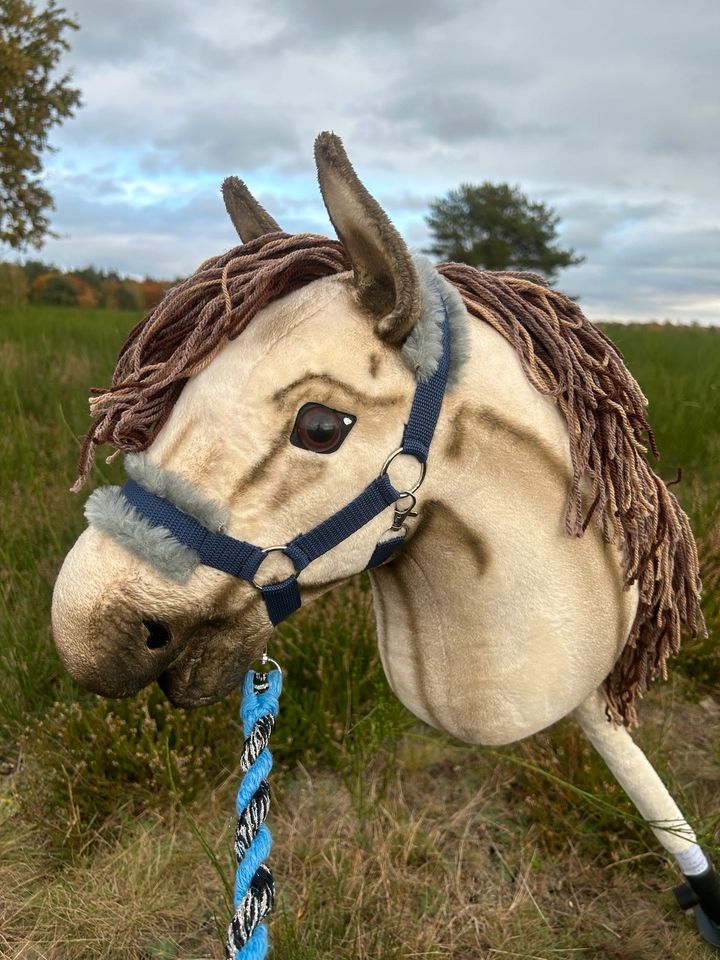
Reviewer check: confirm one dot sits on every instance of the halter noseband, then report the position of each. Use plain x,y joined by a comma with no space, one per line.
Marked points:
242,560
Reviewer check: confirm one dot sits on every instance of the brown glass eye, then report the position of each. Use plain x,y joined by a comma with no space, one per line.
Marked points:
320,428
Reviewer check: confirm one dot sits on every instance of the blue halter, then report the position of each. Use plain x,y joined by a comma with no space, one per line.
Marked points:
243,560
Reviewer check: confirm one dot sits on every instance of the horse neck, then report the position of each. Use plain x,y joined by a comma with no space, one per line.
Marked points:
489,587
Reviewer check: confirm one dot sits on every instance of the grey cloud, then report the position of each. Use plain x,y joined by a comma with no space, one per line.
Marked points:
323,19
578,91
693,252
219,139
405,200
587,224
448,115
130,30
653,273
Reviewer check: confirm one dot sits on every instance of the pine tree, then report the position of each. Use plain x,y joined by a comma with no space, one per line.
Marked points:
497,227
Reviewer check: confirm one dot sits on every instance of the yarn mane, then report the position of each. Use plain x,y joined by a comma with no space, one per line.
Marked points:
563,355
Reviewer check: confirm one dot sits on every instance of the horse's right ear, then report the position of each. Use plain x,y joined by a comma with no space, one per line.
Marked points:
249,218
386,281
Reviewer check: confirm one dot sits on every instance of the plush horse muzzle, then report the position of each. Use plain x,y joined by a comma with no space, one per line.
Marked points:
115,642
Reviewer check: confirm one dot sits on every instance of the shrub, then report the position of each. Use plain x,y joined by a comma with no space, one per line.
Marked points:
88,765
87,296
152,292
124,295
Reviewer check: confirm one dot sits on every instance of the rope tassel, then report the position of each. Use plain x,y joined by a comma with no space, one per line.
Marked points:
247,937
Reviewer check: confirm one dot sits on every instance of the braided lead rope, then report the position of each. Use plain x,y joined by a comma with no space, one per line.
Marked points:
247,937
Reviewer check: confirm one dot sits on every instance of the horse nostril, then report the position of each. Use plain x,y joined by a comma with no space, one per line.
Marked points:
158,634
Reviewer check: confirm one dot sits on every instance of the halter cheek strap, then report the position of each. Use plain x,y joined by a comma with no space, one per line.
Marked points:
242,560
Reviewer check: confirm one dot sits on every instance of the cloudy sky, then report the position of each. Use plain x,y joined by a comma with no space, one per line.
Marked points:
607,109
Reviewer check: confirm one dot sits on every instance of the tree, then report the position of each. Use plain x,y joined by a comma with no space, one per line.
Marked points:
151,292
13,285
495,226
87,296
124,295
32,101
35,268
55,290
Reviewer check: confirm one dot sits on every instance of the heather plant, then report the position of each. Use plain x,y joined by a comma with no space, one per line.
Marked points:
86,766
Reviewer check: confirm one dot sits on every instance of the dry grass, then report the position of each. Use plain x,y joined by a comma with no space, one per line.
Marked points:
441,857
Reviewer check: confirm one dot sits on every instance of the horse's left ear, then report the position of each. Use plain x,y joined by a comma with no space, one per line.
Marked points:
249,218
385,278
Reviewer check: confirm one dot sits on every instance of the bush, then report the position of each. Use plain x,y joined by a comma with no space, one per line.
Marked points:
152,292
87,296
125,295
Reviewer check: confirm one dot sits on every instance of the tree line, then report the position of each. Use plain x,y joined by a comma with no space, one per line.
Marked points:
43,283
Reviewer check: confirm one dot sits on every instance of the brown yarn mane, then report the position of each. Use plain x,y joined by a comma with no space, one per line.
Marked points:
563,355
182,334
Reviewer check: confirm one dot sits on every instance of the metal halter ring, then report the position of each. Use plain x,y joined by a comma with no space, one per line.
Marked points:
423,469
266,550
260,664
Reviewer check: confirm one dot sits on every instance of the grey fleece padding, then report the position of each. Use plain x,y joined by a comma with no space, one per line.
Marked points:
171,486
108,510
423,347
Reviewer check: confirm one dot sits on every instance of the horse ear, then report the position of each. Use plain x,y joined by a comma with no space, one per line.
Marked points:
249,218
385,278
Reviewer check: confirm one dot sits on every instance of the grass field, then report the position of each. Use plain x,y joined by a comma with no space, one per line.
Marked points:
391,841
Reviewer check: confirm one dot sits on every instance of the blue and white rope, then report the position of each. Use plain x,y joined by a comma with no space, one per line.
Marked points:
247,937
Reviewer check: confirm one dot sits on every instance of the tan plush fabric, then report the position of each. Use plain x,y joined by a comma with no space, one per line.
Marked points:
491,581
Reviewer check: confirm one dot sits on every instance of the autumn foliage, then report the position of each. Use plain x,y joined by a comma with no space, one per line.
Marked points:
36,282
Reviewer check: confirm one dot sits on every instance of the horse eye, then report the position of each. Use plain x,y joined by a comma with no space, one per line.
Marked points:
320,428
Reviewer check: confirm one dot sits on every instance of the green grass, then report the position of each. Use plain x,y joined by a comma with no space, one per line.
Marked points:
391,840
678,368
48,360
